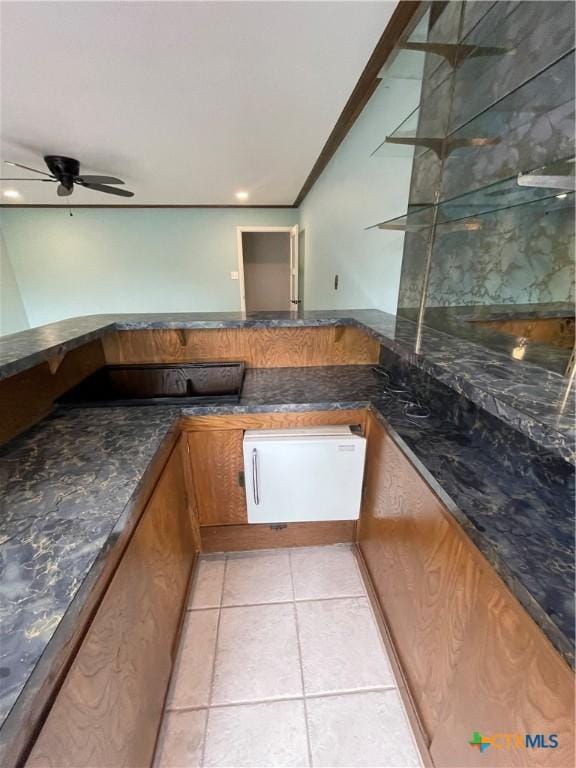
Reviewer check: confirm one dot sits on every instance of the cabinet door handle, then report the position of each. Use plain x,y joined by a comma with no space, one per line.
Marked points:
255,488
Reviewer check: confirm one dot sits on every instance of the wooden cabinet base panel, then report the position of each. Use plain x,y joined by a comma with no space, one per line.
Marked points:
234,538
257,347
473,659
420,736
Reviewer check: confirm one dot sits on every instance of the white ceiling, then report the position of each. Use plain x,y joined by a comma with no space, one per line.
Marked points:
188,102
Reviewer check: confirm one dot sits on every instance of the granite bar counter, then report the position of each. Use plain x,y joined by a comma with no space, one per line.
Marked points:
528,397
69,485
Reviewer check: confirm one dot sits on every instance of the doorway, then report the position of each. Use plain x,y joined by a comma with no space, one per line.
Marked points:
268,268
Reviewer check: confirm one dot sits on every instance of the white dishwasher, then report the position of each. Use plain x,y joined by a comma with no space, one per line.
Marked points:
301,475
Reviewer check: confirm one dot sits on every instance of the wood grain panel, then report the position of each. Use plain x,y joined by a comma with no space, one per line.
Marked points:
108,710
257,347
216,460
231,538
274,420
509,680
420,736
421,570
472,657
184,448
27,397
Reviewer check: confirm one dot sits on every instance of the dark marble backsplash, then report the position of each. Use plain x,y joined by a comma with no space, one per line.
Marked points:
510,445
522,102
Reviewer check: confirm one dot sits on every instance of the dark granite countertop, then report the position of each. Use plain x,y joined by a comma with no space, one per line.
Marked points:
69,491
525,395
70,482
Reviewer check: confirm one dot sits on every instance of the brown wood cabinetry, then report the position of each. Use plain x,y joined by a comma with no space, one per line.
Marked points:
108,710
28,396
472,657
419,568
508,680
217,463
257,347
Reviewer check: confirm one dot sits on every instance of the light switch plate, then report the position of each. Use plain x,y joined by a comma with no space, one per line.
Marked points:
234,275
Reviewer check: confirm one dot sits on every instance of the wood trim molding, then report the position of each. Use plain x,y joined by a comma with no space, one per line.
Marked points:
237,538
365,87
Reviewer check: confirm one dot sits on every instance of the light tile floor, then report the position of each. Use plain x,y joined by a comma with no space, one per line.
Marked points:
281,664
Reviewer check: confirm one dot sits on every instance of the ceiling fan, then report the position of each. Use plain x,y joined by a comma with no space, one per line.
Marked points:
65,171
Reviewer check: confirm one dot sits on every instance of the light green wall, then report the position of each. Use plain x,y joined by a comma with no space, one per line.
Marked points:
12,313
355,191
120,260
177,260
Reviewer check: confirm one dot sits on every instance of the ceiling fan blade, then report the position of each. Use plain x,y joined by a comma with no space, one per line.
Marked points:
97,180
63,191
109,190
24,179
26,167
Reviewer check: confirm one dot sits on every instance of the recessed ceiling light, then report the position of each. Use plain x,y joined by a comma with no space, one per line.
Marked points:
562,195
13,193
242,195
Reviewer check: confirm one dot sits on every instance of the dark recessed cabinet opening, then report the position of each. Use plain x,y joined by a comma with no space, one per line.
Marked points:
149,384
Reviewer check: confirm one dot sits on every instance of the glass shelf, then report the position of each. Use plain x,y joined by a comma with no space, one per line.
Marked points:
456,53
462,212
558,176
444,45
544,93
429,128
418,53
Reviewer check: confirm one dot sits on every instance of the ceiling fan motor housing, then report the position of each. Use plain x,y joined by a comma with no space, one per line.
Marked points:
64,168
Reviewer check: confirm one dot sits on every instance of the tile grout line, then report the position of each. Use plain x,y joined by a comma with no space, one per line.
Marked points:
211,690
308,696
283,602
354,553
301,664
304,697
375,619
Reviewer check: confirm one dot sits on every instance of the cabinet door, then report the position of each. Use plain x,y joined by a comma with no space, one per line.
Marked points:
421,570
509,682
217,464
108,710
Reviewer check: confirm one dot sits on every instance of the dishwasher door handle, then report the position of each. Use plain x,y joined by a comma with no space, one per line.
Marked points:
255,488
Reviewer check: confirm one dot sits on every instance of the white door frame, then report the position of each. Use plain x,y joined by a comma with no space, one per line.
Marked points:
293,231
